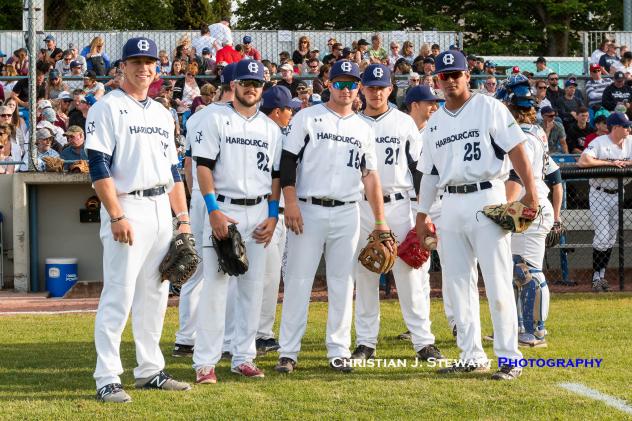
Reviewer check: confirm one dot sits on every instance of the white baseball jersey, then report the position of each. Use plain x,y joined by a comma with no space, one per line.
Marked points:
192,135
246,150
137,136
537,149
603,148
435,208
469,145
332,150
396,136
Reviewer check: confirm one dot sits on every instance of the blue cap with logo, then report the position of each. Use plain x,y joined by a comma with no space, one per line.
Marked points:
247,39
522,97
140,47
421,93
277,97
376,75
248,70
618,119
228,74
450,61
91,99
344,68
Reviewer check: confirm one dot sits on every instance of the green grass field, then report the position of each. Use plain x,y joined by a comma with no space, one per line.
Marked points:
46,365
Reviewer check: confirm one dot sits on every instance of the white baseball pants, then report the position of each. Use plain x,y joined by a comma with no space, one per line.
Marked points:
190,292
467,235
413,285
249,287
271,281
336,230
131,280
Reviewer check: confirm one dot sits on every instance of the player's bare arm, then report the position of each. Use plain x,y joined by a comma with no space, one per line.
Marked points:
264,232
521,165
587,161
293,217
178,202
121,228
219,221
188,173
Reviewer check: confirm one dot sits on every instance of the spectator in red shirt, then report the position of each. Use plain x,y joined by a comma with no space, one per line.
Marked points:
249,50
227,53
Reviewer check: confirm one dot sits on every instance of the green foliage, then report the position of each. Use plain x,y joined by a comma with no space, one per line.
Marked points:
10,15
221,9
191,14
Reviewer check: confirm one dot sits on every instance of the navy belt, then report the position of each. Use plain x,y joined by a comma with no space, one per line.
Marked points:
393,197
609,191
156,191
328,203
468,188
241,202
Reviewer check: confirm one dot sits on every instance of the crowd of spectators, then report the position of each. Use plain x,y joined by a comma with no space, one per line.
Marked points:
188,78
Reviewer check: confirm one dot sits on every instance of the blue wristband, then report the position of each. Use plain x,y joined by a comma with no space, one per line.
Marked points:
273,209
211,202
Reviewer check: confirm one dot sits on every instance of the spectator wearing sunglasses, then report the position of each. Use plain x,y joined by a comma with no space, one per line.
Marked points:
553,92
540,96
489,87
9,151
554,130
300,54
393,55
336,53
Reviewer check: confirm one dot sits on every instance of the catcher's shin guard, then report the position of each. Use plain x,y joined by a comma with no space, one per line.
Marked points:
534,299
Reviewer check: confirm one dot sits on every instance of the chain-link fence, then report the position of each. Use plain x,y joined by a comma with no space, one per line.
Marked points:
597,214
269,43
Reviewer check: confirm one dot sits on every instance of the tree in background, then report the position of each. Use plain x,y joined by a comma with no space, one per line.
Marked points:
10,14
221,9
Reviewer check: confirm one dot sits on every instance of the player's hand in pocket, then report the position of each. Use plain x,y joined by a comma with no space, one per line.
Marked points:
293,218
265,231
220,223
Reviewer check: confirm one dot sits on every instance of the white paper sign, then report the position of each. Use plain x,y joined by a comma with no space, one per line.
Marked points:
284,36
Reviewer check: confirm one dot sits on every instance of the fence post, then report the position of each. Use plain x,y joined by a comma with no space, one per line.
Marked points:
620,234
586,51
563,251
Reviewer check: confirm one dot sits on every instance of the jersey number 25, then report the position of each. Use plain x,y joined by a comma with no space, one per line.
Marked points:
472,151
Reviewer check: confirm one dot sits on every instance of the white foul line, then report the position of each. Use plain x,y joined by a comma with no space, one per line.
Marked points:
586,391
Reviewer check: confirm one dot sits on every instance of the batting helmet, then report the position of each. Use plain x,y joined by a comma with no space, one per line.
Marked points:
521,96
516,80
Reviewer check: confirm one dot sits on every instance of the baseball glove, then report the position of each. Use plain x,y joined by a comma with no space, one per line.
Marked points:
181,260
376,256
553,237
231,252
514,216
411,252
53,164
79,167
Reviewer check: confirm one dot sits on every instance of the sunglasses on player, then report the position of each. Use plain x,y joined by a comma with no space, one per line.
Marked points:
450,75
340,85
251,83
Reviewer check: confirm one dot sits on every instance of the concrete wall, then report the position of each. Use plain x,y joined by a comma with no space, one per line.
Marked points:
6,208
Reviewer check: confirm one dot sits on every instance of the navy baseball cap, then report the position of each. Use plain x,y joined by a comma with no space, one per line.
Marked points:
206,50
248,70
618,119
547,110
490,63
450,61
277,97
247,39
421,93
75,63
228,74
376,75
429,60
570,82
344,68
140,47
49,37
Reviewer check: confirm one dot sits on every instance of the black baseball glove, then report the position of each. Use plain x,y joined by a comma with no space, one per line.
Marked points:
231,252
553,237
180,262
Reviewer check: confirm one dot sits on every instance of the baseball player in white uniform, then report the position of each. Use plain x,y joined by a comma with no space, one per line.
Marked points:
237,159
190,292
276,103
335,152
528,247
397,148
133,161
422,102
464,154
613,150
